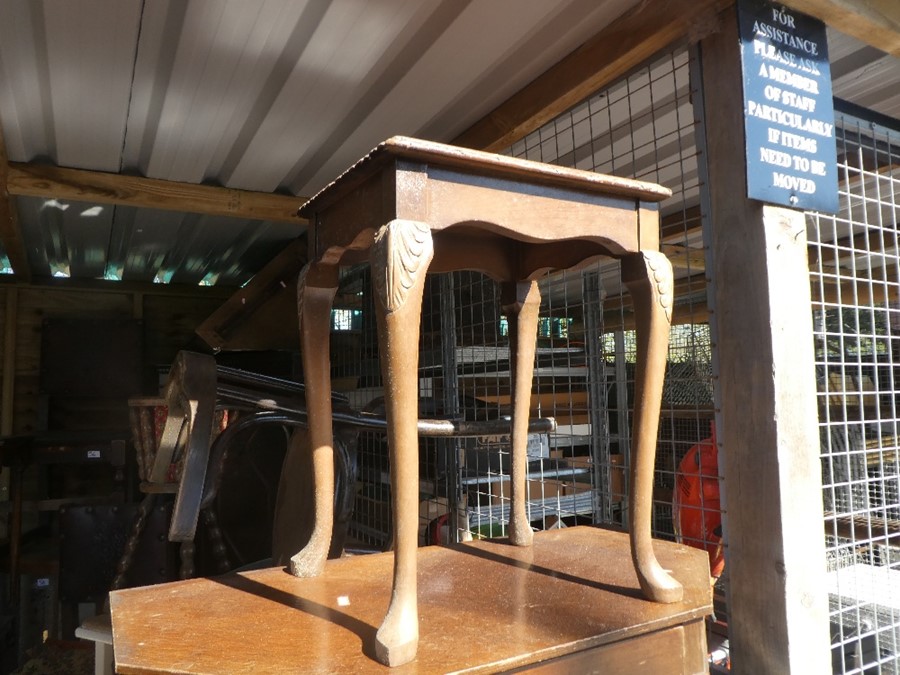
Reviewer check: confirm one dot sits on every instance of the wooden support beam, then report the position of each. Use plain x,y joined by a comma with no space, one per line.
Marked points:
10,232
676,227
618,310
769,455
694,285
258,316
95,187
857,292
875,22
119,287
635,37
861,528
685,257
619,48
10,323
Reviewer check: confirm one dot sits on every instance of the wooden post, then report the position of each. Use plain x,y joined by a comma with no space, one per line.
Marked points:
7,409
9,361
769,455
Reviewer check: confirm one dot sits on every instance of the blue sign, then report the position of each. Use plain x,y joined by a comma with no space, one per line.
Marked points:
788,108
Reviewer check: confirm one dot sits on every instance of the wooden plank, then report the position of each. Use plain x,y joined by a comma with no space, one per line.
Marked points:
778,609
673,651
862,528
688,313
676,227
35,305
170,321
875,22
619,48
10,231
96,187
858,292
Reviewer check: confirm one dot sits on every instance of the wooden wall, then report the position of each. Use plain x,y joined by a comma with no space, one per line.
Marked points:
169,318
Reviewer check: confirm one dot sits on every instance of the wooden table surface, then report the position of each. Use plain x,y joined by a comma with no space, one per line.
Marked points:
483,607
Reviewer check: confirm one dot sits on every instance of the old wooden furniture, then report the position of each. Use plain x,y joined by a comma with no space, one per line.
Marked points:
570,603
182,441
412,207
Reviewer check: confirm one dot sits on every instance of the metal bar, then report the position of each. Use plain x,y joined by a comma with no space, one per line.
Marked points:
624,427
433,428
268,384
592,289
482,479
580,503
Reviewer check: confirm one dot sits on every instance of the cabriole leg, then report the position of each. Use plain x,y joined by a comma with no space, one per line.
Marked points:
400,257
316,287
648,276
521,302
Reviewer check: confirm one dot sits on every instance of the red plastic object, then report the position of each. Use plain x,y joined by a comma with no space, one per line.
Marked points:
696,504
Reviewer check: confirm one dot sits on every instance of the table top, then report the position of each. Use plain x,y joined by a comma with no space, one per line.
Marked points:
485,163
509,218
484,607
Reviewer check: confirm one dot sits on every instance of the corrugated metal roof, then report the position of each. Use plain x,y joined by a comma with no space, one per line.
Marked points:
276,95
864,75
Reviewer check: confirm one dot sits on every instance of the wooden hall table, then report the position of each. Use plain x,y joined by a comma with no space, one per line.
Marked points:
570,603
411,207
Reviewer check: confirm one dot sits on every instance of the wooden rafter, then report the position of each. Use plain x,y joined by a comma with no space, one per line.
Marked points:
95,187
618,309
254,316
619,48
875,22
10,231
685,257
639,34
176,290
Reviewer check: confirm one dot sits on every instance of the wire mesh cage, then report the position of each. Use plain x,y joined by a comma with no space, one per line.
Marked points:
649,126
854,264
642,127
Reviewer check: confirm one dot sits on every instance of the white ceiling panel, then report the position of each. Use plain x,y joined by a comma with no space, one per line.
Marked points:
67,70
355,45
205,72
90,56
504,41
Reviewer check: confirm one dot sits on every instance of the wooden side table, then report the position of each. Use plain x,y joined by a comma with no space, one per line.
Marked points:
411,207
568,604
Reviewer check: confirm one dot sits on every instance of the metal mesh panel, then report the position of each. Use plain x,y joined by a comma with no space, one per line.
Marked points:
643,127
854,263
